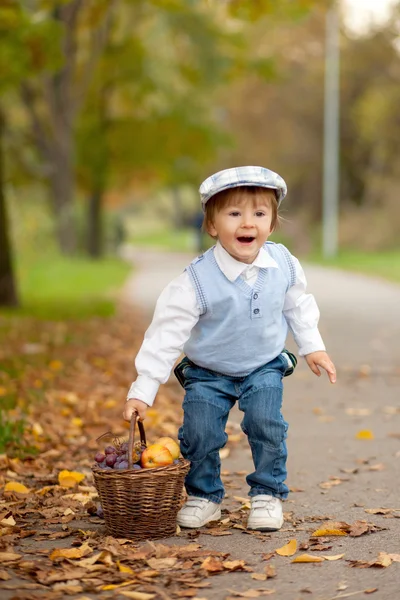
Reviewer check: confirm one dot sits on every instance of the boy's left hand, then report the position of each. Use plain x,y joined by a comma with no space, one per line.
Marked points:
321,359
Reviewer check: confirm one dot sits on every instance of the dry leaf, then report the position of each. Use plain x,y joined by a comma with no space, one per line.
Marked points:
14,486
4,576
211,564
162,563
378,511
9,557
333,556
307,558
83,550
327,532
69,479
259,576
288,550
365,434
234,565
137,595
114,586
270,571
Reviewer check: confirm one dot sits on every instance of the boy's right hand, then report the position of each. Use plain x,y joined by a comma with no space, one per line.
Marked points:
134,405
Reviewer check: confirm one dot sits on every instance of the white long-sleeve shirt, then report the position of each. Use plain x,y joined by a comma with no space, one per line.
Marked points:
177,312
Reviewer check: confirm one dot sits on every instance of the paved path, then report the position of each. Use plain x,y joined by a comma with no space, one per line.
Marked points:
361,328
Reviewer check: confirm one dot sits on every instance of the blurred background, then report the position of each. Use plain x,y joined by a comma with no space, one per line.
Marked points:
113,111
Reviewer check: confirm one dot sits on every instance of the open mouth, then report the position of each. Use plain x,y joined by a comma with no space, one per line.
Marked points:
245,239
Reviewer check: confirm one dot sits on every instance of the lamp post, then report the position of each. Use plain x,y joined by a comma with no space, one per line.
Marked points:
331,136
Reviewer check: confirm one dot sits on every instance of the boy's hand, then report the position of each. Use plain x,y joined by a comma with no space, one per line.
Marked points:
134,405
321,359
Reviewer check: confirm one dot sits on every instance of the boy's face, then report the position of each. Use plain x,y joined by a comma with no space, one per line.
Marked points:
243,226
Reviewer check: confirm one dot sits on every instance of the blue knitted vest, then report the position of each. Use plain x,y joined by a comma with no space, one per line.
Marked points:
240,328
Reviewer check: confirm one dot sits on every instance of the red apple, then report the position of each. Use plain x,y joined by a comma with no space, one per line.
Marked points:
156,455
172,446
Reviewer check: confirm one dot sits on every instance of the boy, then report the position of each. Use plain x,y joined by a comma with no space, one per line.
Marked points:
229,312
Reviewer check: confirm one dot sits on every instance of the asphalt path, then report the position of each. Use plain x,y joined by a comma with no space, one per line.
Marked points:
333,473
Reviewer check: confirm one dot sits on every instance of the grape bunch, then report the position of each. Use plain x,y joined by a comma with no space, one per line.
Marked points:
116,457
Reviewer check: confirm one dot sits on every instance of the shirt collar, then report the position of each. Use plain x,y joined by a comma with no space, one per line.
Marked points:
232,268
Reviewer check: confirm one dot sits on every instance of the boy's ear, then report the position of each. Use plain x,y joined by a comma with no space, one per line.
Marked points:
211,229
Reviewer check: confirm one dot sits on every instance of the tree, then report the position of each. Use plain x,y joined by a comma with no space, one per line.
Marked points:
54,97
148,109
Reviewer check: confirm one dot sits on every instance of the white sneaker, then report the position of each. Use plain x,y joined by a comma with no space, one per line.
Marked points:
196,512
265,513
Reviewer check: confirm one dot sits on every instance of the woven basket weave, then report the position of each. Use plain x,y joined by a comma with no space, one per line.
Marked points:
141,504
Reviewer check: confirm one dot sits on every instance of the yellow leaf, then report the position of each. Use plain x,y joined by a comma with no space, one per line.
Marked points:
3,391
113,586
326,532
37,430
124,569
55,365
333,556
77,422
307,558
83,550
365,434
14,486
288,550
110,404
138,595
69,479
44,490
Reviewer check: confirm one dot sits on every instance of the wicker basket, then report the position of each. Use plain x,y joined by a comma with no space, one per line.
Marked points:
141,504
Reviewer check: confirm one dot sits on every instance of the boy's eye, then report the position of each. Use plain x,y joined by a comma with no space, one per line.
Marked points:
260,213
234,213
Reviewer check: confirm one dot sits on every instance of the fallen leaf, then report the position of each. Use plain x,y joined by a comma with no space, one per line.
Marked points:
161,564
365,434
137,595
69,479
327,532
114,586
9,557
333,556
307,558
69,553
14,486
211,564
234,565
289,549
378,511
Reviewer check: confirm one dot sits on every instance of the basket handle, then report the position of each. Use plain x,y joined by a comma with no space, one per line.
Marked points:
134,420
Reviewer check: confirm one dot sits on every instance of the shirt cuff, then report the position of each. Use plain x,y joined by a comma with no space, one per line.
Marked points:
145,389
310,342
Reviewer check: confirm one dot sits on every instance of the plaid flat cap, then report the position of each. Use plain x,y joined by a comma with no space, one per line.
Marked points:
237,176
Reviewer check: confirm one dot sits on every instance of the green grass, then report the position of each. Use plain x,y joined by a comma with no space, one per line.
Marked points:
56,287
377,264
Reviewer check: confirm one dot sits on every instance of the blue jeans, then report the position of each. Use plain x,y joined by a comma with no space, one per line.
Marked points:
209,398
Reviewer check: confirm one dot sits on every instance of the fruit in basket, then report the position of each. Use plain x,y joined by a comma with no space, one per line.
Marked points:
172,446
156,455
110,459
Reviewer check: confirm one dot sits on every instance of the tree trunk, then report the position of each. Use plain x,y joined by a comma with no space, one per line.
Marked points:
94,225
62,185
8,291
